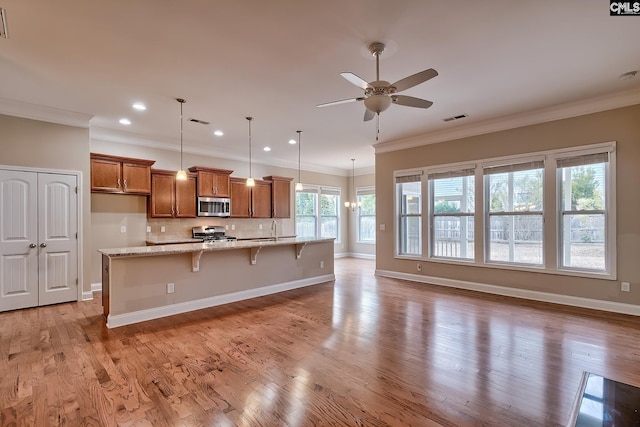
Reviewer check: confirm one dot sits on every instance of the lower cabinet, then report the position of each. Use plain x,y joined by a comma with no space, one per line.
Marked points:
250,202
171,198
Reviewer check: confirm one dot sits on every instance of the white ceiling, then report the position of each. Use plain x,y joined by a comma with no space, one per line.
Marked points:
275,60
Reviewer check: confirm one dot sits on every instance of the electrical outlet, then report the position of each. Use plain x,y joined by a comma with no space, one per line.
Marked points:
226,227
321,264
148,229
382,227
419,267
259,226
162,228
625,287
123,228
233,226
171,287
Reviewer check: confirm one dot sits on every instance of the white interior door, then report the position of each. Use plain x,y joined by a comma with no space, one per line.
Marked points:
57,238
18,240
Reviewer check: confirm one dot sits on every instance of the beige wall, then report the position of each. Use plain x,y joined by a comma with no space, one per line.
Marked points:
37,144
109,212
620,125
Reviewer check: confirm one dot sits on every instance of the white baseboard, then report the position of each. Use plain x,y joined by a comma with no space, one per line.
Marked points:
615,307
87,295
114,321
96,287
354,255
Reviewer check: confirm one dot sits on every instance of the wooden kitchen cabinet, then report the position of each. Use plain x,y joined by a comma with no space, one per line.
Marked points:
280,196
250,202
212,182
122,175
171,198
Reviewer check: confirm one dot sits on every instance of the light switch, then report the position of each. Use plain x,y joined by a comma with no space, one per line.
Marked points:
123,228
382,227
148,229
162,228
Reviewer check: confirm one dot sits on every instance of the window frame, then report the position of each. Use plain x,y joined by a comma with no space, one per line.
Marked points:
319,191
365,191
551,227
400,176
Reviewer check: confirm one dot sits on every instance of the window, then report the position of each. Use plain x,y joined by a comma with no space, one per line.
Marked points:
515,206
409,193
366,214
451,212
583,182
317,212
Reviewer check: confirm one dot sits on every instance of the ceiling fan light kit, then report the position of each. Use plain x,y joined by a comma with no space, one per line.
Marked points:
380,94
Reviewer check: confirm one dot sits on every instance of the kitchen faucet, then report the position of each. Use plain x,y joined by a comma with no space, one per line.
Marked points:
274,229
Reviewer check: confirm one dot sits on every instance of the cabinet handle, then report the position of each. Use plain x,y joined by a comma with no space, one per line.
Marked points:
32,245
118,182
125,184
177,210
172,211
43,245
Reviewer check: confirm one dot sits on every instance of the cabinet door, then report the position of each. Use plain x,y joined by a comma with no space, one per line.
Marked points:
105,176
206,184
136,179
186,198
240,199
281,191
162,199
261,200
222,187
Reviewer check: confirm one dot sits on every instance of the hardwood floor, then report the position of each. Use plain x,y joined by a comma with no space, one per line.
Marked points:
363,351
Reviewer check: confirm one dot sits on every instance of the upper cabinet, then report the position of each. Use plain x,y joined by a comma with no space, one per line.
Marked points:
250,202
212,182
280,196
123,175
171,198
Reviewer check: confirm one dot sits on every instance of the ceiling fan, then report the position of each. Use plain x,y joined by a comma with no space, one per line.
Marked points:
380,94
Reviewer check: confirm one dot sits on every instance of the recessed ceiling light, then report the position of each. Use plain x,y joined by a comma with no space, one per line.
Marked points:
218,133
628,75
139,106
126,122
292,141
267,148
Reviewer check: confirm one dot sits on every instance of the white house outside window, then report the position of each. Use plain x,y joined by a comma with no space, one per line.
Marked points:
451,213
583,182
366,214
409,194
515,207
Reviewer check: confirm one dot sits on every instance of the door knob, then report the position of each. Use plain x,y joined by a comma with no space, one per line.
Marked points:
32,245
43,245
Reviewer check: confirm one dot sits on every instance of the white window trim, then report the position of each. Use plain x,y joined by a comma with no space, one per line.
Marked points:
365,191
315,188
550,260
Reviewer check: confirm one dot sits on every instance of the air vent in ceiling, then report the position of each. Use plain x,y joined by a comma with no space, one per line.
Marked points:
202,122
461,116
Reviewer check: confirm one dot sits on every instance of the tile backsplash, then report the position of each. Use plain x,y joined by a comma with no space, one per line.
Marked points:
236,227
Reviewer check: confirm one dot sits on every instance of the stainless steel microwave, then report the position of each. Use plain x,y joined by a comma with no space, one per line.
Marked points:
214,206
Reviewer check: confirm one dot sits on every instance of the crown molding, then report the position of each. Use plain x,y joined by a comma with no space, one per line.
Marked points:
43,113
122,137
533,117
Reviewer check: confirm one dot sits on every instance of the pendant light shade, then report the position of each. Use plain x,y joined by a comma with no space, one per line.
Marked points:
353,204
299,186
250,181
182,174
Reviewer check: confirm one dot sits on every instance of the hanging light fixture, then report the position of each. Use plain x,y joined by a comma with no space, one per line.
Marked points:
181,175
353,204
299,183
250,181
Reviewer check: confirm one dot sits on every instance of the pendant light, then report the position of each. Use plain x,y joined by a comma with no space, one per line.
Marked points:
353,204
181,175
299,183
250,181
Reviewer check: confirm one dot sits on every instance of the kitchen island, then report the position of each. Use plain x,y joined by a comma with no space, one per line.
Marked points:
148,282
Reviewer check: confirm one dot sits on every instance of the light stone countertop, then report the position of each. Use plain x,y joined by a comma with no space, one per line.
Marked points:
138,251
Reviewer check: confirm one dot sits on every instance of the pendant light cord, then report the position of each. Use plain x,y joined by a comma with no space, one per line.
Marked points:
181,102
299,132
249,119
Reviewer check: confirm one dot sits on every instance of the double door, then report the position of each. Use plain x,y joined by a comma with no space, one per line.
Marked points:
38,239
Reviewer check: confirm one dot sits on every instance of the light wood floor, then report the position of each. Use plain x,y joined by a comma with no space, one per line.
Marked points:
363,351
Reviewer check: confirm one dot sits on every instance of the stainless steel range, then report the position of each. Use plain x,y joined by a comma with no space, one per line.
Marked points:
210,233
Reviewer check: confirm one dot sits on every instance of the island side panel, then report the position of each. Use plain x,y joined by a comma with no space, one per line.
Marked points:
105,285
140,283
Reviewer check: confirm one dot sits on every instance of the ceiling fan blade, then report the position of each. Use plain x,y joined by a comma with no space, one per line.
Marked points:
410,101
368,115
414,80
342,101
361,83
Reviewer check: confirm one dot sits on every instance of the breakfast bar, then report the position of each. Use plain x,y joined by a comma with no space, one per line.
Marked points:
148,282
